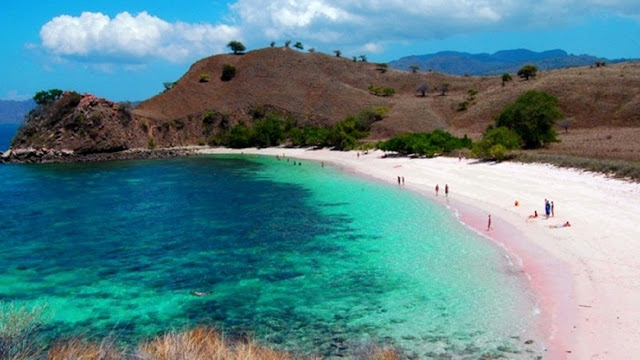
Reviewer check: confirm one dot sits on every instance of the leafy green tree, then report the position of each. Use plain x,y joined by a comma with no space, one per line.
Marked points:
528,71
240,136
363,58
298,45
337,52
287,43
414,68
272,44
236,46
268,131
532,116
505,78
45,97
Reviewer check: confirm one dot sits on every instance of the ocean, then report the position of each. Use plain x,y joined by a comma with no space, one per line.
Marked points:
302,257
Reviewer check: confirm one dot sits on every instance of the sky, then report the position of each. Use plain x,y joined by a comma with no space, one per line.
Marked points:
126,50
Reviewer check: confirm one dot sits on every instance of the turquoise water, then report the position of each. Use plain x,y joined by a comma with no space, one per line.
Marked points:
302,258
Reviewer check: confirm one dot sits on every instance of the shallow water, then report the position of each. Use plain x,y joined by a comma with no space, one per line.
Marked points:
303,258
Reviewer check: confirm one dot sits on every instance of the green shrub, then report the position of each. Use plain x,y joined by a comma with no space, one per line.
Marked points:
204,78
151,144
228,72
268,131
503,137
425,144
380,91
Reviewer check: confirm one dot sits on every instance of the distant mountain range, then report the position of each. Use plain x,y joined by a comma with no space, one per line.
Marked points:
13,112
505,61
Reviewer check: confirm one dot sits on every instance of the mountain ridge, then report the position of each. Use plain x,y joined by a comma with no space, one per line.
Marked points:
503,61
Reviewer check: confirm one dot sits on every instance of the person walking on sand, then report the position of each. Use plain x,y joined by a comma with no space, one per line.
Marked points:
446,190
489,223
552,212
437,189
398,180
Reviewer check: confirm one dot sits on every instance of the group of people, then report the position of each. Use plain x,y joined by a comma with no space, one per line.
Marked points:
446,189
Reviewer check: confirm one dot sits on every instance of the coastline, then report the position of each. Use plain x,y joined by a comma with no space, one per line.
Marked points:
586,277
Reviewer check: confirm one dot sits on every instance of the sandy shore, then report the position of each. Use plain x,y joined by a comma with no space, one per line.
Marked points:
587,276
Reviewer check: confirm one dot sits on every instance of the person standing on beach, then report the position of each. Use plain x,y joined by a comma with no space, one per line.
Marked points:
398,180
446,190
489,223
437,189
552,212
403,180
547,208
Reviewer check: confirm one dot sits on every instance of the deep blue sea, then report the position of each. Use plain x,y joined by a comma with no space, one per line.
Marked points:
303,258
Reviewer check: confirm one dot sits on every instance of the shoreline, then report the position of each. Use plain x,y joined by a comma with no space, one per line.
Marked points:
586,277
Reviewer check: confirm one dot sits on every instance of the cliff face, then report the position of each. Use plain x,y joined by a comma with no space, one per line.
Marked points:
83,124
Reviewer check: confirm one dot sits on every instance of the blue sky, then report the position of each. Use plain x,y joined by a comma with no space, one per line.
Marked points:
125,50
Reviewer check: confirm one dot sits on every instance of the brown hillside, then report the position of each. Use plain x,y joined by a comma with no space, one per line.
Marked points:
603,104
322,89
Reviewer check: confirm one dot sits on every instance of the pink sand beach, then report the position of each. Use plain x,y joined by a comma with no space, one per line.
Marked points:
586,276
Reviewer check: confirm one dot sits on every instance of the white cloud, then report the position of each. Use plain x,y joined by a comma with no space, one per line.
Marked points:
353,22
131,39
351,25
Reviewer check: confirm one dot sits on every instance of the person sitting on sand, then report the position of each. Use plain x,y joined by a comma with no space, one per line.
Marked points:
535,214
558,226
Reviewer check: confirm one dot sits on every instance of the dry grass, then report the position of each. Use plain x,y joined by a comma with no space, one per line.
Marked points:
20,328
628,170
80,349
204,343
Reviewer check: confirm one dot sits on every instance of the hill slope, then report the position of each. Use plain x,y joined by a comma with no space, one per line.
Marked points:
315,88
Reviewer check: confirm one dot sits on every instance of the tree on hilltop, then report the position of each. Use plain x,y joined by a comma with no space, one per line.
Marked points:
236,46
337,52
414,68
528,71
45,97
298,45
506,77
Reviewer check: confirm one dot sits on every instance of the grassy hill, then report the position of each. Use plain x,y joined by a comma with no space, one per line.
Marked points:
602,103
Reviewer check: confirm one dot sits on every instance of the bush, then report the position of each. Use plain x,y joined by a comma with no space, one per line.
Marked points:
496,144
380,91
425,144
268,131
151,144
19,327
532,116
228,72
204,78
